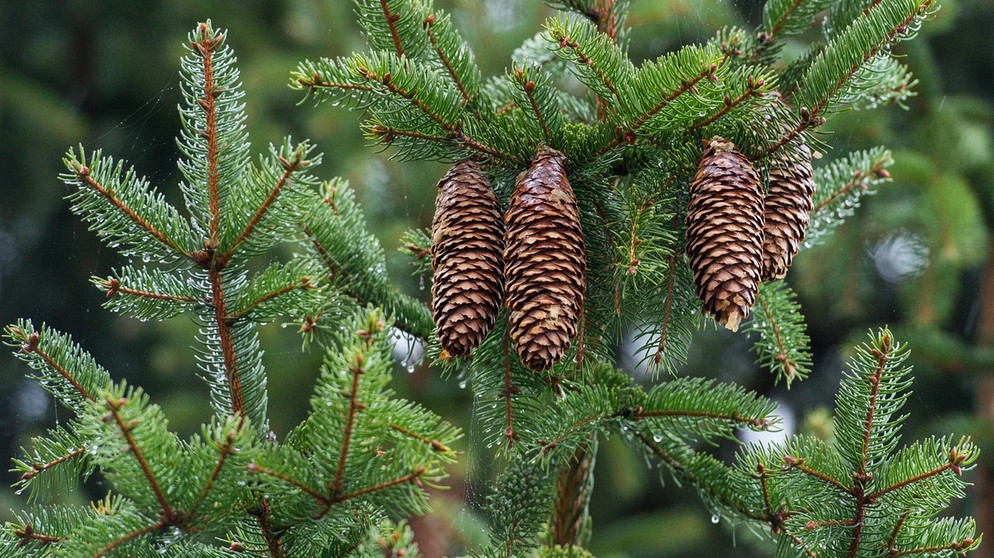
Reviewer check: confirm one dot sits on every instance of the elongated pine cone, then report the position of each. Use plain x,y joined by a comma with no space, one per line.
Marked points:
467,244
544,262
787,208
725,232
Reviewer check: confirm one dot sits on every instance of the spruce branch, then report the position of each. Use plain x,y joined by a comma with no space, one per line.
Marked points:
573,489
841,187
114,408
669,78
782,344
784,18
879,26
861,496
455,56
65,369
123,209
598,62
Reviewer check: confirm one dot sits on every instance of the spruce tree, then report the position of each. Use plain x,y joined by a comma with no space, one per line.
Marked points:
620,214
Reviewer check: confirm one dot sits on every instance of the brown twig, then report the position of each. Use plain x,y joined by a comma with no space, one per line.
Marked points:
83,175
225,450
114,286
752,85
128,537
169,514
289,167
391,19
37,469
356,370
302,283
435,444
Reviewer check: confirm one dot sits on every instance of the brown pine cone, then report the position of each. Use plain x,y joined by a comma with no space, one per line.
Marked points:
787,208
467,256
725,232
545,262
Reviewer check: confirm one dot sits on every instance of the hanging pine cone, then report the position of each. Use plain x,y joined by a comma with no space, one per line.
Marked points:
724,232
544,262
467,244
787,208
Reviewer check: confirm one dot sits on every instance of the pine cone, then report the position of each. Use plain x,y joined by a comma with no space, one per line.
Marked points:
544,262
467,243
787,208
725,232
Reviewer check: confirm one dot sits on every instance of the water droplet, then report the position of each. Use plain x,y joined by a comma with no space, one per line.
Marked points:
462,384
657,438
715,518
410,368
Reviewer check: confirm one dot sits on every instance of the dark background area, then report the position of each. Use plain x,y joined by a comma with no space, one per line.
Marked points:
104,75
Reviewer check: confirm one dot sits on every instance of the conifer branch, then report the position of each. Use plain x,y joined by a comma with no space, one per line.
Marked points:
356,370
39,468
951,466
567,431
752,86
411,95
434,444
30,344
585,59
27,534
667,311
413,476
686,86
82,173
858,45
302,283
292,481
224,451
789,355
508,393
315,81
528,86
770,34
758,423
129,536
391,20
429,25
861,477
114,406
569,509
114,287
205,47
226,340
859,180
798,464
273,538
290,166
682,469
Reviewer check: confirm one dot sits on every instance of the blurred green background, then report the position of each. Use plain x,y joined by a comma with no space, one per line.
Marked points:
917,256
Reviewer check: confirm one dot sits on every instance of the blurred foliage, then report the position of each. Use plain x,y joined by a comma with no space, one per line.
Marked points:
103,73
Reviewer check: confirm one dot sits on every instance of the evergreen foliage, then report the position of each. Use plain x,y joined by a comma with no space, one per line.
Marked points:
632,139
363,456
